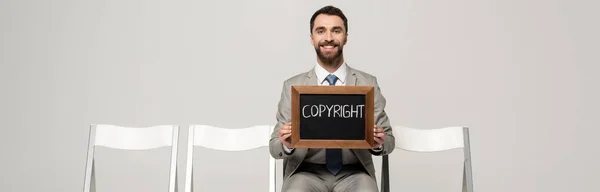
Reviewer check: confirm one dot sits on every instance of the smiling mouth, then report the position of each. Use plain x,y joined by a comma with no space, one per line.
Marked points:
328,47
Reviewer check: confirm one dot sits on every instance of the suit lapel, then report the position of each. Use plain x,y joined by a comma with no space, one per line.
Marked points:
311,78
350,77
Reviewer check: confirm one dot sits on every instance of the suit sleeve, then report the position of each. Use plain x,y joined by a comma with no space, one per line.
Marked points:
383,121
283,116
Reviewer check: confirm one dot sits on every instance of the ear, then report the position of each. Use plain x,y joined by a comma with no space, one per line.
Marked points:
345,39
311,40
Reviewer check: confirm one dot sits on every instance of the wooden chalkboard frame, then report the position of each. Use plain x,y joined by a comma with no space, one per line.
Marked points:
366,143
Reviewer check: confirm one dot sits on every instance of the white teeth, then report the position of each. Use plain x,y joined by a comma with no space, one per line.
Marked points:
328,47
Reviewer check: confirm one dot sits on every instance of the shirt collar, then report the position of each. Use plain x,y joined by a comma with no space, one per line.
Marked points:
322,73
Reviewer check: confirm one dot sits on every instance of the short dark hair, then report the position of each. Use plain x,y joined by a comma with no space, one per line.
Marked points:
328,10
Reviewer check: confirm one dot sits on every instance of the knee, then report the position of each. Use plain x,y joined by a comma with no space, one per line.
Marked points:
292,187
302,182
360,182
296,188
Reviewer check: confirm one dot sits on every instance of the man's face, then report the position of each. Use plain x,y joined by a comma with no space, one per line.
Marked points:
328,37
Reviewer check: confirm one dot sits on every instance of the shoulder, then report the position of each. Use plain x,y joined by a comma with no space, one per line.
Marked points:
298,78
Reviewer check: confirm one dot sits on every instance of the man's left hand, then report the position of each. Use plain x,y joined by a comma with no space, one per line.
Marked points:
379,136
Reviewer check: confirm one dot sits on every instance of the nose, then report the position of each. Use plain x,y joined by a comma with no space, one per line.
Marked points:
329,36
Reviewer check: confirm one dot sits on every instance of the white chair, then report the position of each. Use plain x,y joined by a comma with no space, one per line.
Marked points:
225,139
131,138
432,140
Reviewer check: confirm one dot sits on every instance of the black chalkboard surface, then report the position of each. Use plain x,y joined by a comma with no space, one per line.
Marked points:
332,116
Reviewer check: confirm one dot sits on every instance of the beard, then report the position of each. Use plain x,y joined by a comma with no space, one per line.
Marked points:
329,58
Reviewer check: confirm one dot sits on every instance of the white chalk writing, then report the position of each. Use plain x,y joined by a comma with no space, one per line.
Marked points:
341,111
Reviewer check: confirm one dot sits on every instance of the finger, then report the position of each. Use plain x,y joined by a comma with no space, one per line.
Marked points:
378,141
285,136
285,131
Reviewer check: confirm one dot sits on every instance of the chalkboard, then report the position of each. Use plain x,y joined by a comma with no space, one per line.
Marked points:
332,116
329,116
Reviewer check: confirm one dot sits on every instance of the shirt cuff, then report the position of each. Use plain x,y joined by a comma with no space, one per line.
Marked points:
287,150
379,149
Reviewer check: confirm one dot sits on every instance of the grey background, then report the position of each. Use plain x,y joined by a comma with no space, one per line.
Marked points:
521,73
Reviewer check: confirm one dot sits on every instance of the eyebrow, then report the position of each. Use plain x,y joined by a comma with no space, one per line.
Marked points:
323,28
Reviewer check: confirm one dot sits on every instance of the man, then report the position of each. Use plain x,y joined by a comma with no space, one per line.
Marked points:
324,170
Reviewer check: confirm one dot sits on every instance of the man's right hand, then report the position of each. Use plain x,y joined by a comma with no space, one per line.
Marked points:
285,131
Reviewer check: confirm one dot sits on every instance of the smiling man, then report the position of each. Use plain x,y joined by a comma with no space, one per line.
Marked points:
325,170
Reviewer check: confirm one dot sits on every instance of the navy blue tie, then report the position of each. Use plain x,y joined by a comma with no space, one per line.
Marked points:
333,157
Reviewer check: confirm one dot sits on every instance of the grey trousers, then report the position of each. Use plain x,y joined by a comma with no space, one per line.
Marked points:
316,178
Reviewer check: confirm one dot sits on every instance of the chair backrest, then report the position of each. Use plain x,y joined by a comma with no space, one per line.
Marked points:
228,139
431,140
131,138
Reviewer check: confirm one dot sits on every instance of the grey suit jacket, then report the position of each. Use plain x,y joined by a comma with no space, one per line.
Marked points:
354,77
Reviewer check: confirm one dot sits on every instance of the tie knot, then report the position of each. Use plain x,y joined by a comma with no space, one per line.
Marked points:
331,78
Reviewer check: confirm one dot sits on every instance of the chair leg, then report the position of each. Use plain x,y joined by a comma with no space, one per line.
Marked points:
467,178
93,179
175,185
464,181
467,174
385,174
